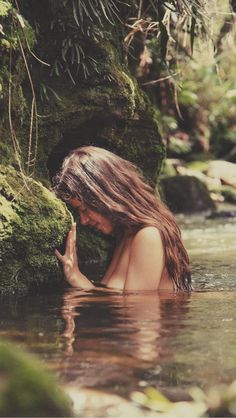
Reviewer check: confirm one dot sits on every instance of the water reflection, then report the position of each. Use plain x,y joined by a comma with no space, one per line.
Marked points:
119,343
119,339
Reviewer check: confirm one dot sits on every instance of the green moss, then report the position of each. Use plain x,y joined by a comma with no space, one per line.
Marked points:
5,7
17,36
198,165
32,224
167,169
26,389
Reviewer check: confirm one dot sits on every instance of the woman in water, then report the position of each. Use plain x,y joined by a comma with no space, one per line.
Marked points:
111,196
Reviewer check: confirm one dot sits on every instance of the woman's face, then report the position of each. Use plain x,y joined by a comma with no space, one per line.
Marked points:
91,218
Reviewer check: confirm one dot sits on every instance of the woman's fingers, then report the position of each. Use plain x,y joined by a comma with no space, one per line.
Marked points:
74,238
59,255
71,240
74,231
70,245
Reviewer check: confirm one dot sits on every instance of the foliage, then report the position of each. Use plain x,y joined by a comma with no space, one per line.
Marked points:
208,100
84,22
208,93
73,31
170,23
196,95
75,28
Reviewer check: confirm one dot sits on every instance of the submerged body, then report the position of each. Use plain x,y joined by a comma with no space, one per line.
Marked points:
110,195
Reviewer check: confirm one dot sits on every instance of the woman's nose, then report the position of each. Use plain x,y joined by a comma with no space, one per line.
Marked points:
84,220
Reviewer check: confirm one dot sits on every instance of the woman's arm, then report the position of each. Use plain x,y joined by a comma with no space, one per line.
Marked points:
146,261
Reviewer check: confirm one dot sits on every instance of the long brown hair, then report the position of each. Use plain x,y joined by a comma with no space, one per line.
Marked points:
115,188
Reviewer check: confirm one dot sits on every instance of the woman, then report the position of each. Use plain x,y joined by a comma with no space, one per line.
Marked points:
111,195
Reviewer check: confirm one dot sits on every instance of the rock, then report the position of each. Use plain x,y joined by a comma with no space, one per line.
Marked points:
26,389
222,214
208,181
229,193
231,156
221,400
93,403
223,170
33,222
186,194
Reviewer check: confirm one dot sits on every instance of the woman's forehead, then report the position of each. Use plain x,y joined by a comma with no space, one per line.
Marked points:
76,204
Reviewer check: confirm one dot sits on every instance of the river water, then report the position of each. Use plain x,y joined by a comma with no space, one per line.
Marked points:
119,343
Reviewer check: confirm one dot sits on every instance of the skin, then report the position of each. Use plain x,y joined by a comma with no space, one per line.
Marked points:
138,260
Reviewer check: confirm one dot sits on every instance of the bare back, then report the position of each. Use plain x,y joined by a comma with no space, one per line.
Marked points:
138,263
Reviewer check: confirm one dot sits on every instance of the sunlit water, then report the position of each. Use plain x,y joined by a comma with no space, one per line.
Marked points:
121,343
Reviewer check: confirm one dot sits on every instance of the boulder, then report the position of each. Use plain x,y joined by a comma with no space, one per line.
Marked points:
186,194
222,214
33,222
223,170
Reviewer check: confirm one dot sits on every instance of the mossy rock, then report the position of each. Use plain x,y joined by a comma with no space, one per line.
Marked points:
118,117
186,194
33,222
26,389
107,108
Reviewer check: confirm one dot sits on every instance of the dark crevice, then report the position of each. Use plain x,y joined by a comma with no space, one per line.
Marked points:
8,196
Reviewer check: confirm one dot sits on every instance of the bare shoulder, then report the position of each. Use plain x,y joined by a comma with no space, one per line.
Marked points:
147,239
147,235
146,261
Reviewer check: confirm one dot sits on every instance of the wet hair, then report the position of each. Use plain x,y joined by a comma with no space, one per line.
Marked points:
116,188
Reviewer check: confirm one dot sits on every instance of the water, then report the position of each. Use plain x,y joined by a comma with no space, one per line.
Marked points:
212,248
120,343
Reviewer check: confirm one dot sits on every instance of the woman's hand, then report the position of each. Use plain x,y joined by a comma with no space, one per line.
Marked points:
70,263
70,260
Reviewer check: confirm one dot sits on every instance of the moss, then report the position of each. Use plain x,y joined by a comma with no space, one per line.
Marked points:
17,36
32,224
167,169
198,165
5,7
26,389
